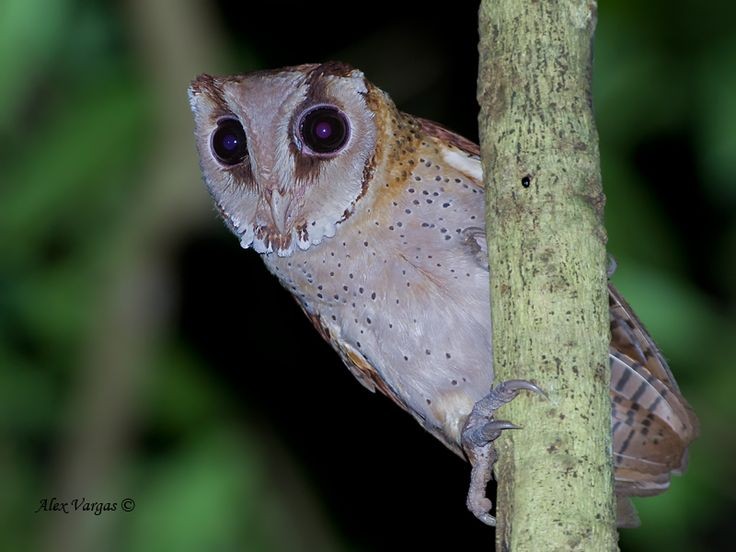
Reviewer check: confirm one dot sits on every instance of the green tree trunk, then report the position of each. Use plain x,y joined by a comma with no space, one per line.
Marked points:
548,273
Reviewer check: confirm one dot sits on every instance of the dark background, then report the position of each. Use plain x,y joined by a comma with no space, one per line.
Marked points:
143,354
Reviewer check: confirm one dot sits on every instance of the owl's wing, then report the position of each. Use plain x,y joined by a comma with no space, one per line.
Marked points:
452,139
464,156
652,423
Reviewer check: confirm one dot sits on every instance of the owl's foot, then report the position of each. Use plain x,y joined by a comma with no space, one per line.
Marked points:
612,265
479,433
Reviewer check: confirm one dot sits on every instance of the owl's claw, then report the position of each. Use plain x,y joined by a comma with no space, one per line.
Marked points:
612,264
479,433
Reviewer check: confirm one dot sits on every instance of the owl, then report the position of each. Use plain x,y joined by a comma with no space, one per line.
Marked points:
374,220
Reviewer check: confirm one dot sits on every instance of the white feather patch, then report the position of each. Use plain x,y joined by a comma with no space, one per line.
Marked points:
468,165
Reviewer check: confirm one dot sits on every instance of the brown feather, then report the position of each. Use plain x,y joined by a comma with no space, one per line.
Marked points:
448,137
652,423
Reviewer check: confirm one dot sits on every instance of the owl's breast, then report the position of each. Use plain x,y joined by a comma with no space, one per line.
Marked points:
402,285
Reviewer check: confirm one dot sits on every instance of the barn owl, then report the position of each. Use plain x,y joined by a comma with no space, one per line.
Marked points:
374,220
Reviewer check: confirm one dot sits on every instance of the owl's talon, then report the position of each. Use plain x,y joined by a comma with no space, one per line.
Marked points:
489,432
612,265
479,433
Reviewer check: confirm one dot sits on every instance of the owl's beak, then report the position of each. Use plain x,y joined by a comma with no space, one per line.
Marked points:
280,210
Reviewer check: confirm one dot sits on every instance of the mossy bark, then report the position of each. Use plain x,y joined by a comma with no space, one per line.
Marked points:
548,273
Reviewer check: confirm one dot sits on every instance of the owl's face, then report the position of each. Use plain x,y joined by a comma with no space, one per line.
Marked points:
286,155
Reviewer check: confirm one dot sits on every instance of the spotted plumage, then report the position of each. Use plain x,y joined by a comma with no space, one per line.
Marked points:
374,221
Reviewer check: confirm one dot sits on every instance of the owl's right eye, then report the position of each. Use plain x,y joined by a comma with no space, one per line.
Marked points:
228,142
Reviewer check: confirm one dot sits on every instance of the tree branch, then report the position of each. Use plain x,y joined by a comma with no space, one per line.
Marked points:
548,273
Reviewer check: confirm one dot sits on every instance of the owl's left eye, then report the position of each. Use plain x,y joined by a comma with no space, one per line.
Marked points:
324,129
228,142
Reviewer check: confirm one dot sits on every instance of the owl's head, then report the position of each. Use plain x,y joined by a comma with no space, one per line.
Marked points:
286,154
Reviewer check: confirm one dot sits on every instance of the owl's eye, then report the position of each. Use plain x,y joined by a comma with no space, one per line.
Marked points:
324,129
228,142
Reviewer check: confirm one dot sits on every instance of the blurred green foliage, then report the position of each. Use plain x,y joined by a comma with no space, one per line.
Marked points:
76,107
